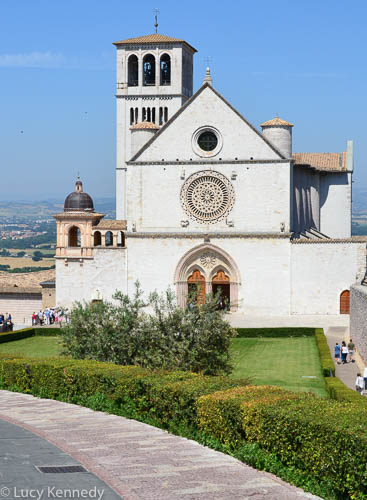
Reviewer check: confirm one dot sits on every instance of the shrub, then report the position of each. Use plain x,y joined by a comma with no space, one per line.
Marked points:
196,338
327,363
161,396
323,438
339,391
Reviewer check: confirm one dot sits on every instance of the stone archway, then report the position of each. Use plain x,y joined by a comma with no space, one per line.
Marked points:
215,265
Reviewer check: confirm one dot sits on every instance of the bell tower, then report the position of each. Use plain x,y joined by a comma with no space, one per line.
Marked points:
154,79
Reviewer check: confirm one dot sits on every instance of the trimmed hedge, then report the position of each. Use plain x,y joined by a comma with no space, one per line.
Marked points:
160,396
327,363
29,332
327,439
275,332
339,391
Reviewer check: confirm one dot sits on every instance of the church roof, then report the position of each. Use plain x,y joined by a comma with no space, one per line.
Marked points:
144,125
276,122
110,224
154,38
336,162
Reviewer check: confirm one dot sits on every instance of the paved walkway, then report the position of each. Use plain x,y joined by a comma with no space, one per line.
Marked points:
139,461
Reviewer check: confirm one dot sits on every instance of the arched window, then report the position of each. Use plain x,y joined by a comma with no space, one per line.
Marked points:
97,239
345,302
160,115
120,239
74,235
153,115
165,70
165,67
149,70
136,115
109,239
133,71
148,115
131,116
165,115
144,116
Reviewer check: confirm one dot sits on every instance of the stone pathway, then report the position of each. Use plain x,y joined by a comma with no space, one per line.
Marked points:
141,462
346,373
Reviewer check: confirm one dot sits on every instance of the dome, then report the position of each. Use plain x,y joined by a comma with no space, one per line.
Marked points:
78,201
276,122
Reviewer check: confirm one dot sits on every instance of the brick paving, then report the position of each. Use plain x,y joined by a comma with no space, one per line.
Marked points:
139,461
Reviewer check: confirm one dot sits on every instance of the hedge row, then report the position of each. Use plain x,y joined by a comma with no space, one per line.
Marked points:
339,391
327,363
160,396
326,439
28,332
275,332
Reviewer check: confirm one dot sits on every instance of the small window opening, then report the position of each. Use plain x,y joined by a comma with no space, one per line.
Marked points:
165,70
133,71
149,70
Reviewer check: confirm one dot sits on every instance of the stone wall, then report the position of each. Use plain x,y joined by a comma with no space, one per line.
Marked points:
358,318
20,306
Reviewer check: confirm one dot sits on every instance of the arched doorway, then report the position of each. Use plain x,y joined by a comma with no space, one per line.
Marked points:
208,260
196,286
221,286
345,302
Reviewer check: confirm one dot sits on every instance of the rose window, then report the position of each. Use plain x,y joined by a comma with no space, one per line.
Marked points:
207,196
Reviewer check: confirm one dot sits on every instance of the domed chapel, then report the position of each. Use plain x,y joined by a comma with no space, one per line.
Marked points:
205,200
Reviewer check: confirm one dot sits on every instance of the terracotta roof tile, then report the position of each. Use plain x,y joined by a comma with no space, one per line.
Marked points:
276,122
322,161
111,224
26,280
154,38
144,125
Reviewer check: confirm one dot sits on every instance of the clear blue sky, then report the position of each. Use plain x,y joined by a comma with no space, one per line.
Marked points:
302,59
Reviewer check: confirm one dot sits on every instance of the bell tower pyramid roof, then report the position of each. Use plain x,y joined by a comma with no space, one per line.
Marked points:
154,38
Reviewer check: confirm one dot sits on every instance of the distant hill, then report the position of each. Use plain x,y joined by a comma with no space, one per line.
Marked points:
359,200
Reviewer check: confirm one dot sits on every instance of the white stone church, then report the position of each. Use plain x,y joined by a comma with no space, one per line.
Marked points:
206,200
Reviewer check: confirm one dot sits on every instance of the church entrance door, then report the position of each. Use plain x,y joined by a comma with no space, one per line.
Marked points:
344,302
221,284
196,286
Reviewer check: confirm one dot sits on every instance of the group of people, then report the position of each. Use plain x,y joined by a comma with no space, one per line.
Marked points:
342,352
6,323
49,316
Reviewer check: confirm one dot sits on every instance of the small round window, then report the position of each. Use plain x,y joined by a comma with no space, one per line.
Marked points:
207,141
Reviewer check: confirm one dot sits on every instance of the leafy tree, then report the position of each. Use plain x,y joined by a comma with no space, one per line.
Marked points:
20,254
195,338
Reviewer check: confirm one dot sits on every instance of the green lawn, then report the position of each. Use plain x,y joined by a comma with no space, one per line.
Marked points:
34,347
285,362
274,361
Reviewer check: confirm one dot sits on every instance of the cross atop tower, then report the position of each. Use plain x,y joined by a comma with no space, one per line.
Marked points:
156,12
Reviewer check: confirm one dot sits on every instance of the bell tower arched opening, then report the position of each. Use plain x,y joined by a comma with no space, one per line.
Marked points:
74,237
133,71
165,66
149,70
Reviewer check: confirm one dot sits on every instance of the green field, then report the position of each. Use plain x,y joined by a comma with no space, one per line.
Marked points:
286,362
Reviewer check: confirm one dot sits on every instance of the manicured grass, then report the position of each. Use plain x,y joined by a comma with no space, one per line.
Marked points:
272,361
34,347
279,361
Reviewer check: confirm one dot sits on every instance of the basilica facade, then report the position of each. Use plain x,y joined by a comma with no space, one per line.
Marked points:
206,200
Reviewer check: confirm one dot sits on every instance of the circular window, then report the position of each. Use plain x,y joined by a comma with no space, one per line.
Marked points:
207,196
206,142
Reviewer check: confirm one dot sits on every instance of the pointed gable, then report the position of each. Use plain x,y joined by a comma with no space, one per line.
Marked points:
207,108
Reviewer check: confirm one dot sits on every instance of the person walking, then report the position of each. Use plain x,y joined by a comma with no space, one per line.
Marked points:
337,353
351,348
365,380
344,353
359,383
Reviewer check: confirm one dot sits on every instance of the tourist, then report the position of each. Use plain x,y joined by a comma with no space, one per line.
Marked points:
359,383
40,318
351,350
337,353
365,379
47,316
34,321
344,353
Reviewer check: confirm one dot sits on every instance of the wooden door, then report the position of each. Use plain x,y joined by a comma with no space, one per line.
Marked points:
221,284
196,286
345,302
